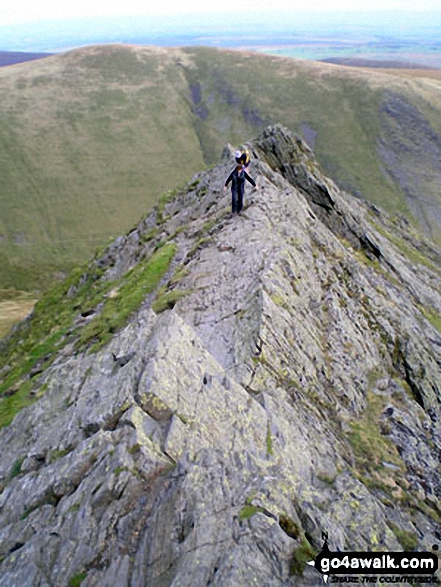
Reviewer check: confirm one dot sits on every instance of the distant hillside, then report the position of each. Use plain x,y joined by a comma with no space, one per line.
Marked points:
90,139
12,57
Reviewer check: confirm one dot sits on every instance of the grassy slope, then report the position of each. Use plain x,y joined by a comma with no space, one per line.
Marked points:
338,108
91,138
88,140
341,104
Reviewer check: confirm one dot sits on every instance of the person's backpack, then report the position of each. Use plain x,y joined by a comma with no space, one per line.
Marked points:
243,157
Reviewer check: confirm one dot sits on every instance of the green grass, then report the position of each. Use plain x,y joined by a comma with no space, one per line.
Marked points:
294,94
16,468
53,317
369,446
77,580
162,202
248,511
198,245
136,285
409,251
179,275
76,172
10,406
58,454
408,540
167,300
269,441
37,342
14,306
302,555
432,316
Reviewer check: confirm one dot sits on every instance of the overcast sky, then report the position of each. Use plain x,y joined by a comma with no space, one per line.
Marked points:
20,11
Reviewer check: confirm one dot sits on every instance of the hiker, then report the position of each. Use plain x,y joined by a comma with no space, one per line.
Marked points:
237,178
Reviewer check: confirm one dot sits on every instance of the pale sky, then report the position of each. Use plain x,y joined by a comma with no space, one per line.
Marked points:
20,11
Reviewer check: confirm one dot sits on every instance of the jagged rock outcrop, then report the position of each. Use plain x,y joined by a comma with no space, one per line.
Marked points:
283,379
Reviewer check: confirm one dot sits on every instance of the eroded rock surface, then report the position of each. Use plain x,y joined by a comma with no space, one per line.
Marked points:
293,387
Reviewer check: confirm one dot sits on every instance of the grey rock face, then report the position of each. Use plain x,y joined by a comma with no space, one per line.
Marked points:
293,388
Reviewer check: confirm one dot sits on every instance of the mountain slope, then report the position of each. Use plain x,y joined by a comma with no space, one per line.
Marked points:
88,139
375,135
211,392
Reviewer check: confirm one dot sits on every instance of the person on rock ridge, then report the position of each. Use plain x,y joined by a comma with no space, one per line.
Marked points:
237,178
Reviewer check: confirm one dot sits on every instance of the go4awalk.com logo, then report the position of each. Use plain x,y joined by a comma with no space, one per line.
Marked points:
377,567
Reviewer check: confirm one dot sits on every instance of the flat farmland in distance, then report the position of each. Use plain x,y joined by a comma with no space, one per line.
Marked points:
14,306
414,52
415,73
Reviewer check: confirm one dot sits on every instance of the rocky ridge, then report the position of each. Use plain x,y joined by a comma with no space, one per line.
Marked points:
281,379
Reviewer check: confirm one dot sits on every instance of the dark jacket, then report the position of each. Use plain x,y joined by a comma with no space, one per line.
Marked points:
238,179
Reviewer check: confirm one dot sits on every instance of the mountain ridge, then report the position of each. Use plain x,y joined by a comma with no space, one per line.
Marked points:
90,138
276,376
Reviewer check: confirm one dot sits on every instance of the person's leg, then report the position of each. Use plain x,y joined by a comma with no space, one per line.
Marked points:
240,198
234,200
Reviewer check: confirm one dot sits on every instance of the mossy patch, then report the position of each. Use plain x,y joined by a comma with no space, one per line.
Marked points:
409,251
248,511
28,511
279,300
165,199
167,300
58,454
134,449
325,478
11,405
180,274
16,468
77,580
432,316
269,441
32,348
208,225
34,343
118,470
197,246
136,285
149,235
370,447
376,483
48,499
408,540
184,419
302,555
